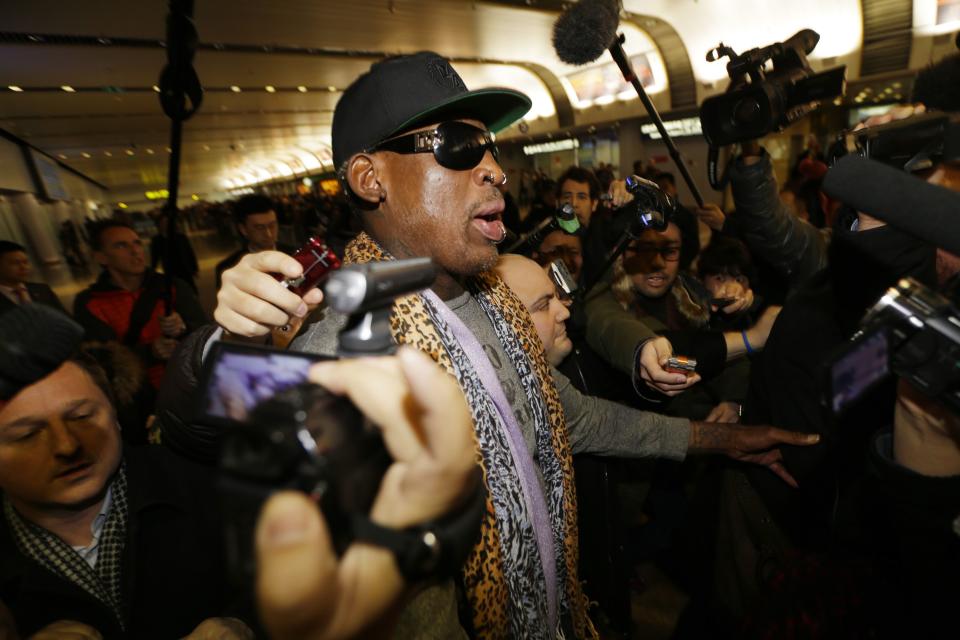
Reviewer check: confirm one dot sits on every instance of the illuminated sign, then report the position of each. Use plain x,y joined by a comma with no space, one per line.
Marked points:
550,147
604,83
330,186
676,128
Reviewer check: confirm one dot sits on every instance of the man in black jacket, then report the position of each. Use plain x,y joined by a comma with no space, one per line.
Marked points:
92,536
14,271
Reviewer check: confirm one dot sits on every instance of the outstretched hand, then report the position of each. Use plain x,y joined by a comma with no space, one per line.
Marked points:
754,444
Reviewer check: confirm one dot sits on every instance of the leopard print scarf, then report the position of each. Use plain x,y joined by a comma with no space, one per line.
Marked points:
503,577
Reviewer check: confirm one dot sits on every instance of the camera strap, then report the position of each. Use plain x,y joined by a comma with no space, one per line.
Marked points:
717,182
435,549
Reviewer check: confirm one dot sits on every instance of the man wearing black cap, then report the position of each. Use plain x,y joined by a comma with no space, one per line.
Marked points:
415,152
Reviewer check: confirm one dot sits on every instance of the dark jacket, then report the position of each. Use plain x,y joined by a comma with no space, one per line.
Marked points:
794,248
786,389
173,570
103,310
39,293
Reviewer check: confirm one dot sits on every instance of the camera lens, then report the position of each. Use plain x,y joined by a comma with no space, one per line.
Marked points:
746,111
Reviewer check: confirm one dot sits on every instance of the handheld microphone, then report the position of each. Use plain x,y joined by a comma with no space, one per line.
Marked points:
564,219
926,211
360,287
584,31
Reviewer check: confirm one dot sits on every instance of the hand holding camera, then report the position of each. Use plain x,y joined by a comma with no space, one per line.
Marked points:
304,589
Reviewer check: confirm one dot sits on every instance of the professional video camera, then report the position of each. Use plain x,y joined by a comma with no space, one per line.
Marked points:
760,100
913,144
912,332
280,432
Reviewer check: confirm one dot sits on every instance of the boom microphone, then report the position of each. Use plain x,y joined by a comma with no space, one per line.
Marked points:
584,31
926,211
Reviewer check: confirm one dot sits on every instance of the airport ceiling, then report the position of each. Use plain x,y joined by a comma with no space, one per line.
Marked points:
110,52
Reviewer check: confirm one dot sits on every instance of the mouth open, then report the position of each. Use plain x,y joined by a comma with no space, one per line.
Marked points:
489,222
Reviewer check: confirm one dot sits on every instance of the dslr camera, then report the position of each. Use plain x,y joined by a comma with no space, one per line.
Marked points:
761,100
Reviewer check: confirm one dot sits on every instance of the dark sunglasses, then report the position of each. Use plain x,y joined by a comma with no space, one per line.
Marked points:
668,253
455,145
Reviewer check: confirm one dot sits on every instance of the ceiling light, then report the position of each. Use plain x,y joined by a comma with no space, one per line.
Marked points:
108,154
122,205
302,89
194,197
149,152
331,89
270,89
15,88
61,156
169,150
206,147
156,88
85,154
68,88
235,88
129,152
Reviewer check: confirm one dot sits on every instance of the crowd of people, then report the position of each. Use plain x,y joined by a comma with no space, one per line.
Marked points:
526,391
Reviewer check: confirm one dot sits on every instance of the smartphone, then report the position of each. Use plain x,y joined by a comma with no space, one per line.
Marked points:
318,261
237,377
681,364
857,369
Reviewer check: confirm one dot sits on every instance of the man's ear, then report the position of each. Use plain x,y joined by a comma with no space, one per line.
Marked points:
364,179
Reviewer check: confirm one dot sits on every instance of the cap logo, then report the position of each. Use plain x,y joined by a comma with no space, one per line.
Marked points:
444,75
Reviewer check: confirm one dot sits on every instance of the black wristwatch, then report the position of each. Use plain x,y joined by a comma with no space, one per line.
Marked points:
432,550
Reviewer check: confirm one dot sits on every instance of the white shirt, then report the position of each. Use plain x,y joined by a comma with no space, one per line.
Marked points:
90,552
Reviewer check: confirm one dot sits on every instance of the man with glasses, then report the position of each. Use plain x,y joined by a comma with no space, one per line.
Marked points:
415,152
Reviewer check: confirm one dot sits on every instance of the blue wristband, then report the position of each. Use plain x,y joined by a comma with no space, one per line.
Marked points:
746,343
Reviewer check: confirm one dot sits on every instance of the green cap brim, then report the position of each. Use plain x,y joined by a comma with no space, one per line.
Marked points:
496,108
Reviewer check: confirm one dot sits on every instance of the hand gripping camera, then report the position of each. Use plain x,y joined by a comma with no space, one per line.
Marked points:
280,432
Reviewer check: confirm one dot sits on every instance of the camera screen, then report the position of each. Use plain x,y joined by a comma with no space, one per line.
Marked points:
857,370
239,377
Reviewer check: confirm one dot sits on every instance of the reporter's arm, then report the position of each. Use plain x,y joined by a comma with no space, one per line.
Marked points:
793,247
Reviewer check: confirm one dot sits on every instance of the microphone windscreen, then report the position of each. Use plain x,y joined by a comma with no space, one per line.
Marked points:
584,31
924,210
34,341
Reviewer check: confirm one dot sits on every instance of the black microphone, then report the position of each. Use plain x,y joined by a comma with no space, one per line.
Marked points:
565,219
584,31
929,212
360,287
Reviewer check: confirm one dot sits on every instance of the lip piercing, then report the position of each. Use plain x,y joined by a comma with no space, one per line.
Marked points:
503,236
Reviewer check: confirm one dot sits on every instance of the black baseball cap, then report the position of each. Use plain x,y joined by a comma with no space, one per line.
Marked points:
406,92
